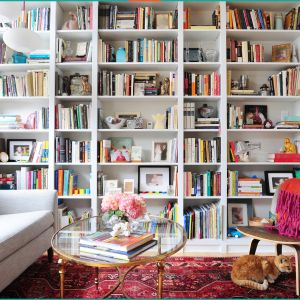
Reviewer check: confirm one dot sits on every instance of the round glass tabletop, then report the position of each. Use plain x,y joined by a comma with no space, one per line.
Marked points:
170,237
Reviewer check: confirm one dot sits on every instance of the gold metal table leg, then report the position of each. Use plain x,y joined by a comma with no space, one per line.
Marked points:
160,269
62,276
97,279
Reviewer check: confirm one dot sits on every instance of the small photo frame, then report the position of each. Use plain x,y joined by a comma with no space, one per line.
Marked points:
136,153
282,53
154,179
160,151
110,185
19,149
162,20
127,116
256,114
237,214
275,178
128,186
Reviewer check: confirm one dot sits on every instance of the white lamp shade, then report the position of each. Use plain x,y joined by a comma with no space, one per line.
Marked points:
22,40
9,11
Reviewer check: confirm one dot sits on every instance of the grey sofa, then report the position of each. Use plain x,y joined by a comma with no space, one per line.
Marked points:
27,223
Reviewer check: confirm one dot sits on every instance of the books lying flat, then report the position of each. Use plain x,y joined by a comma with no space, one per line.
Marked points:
203,27
104,239
95,252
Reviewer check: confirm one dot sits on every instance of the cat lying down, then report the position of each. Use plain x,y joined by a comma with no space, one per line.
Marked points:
257,272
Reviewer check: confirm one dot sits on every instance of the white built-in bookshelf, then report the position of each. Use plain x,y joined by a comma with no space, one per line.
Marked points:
258,73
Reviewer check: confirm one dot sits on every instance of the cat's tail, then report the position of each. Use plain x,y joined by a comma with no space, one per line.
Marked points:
251,284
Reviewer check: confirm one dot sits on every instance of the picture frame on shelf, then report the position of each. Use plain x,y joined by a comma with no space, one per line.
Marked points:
237,214
273,180
162,20
154,179
256,114
282,53
128,186
136,153
160,151
128,116
110,185
19,149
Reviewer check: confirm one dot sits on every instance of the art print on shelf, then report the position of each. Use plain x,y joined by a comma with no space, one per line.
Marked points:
136,153
273,180
19,149
256,114
120,149
160,151
237,214
128,186
110,185
154,179
282,53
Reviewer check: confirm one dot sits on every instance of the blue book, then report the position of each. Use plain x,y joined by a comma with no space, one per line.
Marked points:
66,182
261,19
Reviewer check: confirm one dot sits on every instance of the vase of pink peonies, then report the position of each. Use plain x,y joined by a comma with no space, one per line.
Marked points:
120,210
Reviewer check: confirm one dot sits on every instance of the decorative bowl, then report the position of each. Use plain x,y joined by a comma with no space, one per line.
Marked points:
114,123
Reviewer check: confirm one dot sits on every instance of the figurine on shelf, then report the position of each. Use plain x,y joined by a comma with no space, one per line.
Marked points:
71,24
268,124
288,146
159,120
264,90
165,87
86,86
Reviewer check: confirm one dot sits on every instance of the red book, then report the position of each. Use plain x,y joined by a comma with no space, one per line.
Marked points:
287,157
246,19
91,16
60,182
257,52
39,179
232,147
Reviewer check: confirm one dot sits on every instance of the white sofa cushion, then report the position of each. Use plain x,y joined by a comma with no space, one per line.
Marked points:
19,229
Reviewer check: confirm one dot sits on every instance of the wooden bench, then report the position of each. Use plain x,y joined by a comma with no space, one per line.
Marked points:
263,234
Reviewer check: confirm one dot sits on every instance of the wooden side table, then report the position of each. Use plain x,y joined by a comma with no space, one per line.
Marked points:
264,234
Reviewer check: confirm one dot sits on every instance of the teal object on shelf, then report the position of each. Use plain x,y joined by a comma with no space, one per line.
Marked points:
19,58
121,55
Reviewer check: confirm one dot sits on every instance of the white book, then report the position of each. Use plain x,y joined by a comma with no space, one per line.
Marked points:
284,83
23,177
193,150
192,115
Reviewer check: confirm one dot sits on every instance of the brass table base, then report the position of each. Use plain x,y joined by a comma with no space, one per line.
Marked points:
121,278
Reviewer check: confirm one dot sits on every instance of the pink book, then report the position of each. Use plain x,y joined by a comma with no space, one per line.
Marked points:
91,16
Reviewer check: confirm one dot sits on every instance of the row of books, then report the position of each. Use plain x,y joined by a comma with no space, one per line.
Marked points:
36,19
260,19
34,83
69,151
85,17
172,117
235,116
201,84
170,211
75,117
5,53
197,150
285,83
204,222
142,50
39,152
39,56
207,183
27,179
65,182
110,17
102,246
10,121
243,51
7,181
38,119
137,84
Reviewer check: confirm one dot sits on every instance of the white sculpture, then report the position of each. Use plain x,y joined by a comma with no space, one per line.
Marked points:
121,229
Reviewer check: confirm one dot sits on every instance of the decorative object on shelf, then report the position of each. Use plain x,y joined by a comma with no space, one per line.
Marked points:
114,123
159,120
128,116
273,179
171,191
282,53
264,90
206,111
19,58
68,52
149,125
194,55
66,86
288,146
294,54
237,214
159,151
163,20
165,87
77,84
110,185
20,149
244,80
241,149
120,149
211,55
154,179
128,186
72,23
130,124
136,153
260,222
256,114
278,21
86,86
121,55
268,124
121,228
235,85
139,122
4,157
233,232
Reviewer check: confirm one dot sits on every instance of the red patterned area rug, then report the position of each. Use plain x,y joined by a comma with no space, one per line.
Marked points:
185,277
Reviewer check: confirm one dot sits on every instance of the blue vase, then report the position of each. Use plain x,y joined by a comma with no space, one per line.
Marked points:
121,55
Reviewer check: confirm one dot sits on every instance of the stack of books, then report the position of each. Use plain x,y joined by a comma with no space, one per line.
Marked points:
285,83
204,184
283,157
232,183
39,152
85,17
27,179
197,150
172,117
235,117
102,246
243,51
7,181
75,117
142,50
204,222
39,56
250,187
170,212
67,150
207,123
10,122
201,84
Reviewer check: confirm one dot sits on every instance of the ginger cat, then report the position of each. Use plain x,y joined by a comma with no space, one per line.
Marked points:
257,272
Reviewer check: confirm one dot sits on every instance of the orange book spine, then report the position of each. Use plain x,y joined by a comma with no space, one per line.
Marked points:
193,84
206,85
60,182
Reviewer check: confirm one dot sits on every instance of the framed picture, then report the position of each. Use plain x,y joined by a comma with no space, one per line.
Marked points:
237,214
110,185
154,179
19,149
127,116
275,178
136,153
162,20
282,53
160,151
128,186
256,114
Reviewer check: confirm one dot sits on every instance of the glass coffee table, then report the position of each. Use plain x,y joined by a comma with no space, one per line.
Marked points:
170,236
